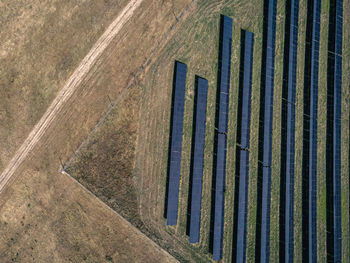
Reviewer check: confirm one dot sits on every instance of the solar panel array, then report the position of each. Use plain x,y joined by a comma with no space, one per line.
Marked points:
265,131
309,166
201,86
219,196
221,140
242,153
177,115
288,132
333,143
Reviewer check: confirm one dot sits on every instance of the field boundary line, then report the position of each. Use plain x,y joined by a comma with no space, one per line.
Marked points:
142,69
117,214
66,92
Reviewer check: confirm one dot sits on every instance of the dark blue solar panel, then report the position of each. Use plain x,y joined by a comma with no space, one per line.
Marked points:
198,155
288,132
292,48
242,202
225,71
287,180
333,143
265,130
245,96
220,158
310,132
268,72
265,215
242,157
176,141
219,197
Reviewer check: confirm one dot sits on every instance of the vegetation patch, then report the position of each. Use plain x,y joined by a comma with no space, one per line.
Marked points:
105,163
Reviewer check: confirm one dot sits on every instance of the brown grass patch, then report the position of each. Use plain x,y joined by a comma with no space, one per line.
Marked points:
105,163
41,43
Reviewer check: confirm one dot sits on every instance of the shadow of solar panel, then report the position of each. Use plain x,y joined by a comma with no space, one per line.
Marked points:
197,156
175,144
288,133
333,144
265,131
242,154
219,160
309,242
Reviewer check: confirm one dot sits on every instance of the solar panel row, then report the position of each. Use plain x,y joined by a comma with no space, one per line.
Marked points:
201,86
222,117
265,130
310,132
242,153
225,71
333,144
241,203
244,98
263,248
175,148
288,133
219,196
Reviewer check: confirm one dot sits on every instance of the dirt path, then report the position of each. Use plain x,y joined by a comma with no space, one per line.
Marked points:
63,96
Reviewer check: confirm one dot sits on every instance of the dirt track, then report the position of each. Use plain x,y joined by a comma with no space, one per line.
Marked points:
66,92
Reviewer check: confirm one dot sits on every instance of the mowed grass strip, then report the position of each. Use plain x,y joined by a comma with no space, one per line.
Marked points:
298,176
276,132
231,141
321,135
256,11
345,151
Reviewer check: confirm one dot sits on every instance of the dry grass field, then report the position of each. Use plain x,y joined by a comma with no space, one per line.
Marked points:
125,58
112,135
41,43
47,217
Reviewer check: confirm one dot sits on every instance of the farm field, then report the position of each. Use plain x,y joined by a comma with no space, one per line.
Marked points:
112,137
